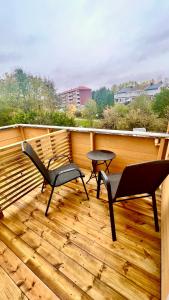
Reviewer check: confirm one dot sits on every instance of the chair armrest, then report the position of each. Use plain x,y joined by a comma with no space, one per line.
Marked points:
104,178
106,181
55,157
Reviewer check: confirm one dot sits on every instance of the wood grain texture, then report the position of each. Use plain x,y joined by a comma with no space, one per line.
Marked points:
128,149
71,255
8,289
10,136
18,175
165,240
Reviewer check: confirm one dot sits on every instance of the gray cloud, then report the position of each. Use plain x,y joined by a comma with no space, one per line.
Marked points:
160,35
8,57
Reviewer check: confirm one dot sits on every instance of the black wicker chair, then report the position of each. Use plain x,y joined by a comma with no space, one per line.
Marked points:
136,181
56,177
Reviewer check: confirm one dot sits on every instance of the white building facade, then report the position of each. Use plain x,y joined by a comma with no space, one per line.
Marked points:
128,94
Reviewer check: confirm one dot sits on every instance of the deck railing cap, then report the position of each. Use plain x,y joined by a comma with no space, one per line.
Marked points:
94,130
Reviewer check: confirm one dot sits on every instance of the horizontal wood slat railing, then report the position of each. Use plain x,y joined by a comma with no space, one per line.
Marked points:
18,175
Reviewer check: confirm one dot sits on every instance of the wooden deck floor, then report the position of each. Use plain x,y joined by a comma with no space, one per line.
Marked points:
70,254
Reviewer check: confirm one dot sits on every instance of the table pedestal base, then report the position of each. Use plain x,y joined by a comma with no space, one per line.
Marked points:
94,171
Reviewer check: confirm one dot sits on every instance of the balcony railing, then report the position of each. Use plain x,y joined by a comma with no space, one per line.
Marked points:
18,176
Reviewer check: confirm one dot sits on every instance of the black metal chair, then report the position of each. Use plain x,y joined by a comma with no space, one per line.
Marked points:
56,177
136,181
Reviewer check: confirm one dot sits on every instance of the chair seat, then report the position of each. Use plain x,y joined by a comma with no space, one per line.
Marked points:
67,176
114,182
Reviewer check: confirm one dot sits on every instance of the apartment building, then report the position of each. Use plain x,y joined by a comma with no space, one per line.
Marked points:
78,96
126,95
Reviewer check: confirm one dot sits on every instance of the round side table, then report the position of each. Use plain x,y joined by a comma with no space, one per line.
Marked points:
104,157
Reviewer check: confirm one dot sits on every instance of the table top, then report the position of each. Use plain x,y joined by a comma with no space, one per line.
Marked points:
101,155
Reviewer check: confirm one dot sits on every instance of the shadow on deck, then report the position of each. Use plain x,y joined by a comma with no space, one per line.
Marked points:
70,254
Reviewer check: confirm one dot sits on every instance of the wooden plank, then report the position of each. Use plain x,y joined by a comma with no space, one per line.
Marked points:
100,131
69,249
128,149
46,272
150,265
22,133
92,141
133,144
8,289
66,247
33,132
128,223
76,237
162,149
10,136
28,283
77,273
80,146
165,240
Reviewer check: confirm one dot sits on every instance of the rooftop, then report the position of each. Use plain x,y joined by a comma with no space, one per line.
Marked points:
75,89
127,90
132,88
153,86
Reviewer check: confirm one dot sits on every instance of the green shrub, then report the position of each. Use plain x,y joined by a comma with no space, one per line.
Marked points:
5,116
161,103
45,118
135,115
61,119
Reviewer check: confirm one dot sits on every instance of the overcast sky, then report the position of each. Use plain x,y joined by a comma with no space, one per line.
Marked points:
85,42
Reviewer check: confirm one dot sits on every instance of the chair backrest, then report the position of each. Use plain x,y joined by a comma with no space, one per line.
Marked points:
28,150
142,178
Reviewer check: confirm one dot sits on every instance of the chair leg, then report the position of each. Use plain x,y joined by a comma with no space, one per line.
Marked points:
112,222
46,213
43,185
155,212
85,188
98,185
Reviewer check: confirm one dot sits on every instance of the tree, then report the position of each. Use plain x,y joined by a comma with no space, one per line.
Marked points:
71,109
120,109
141,103
23,89
161,103
90,111
26,97
137,114
6,116
103,97
20,90
114,117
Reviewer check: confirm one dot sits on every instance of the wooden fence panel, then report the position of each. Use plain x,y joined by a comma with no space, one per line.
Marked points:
18,175
9,136
128,149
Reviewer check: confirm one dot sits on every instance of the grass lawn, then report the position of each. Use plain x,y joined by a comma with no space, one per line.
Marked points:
86,123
